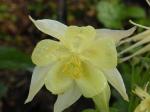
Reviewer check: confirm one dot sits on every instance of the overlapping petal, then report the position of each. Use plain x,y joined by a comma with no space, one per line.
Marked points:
91,81
115,79
116,35
67,99
57,81
37,81
102,100
47,51
50,27
102,53
77,37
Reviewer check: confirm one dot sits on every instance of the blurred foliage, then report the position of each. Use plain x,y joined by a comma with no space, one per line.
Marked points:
113,13
5,13
37,7
12,58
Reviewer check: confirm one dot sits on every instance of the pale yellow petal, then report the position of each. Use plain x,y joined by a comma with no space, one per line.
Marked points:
148,2
76,32
50,27
56,81
77,37
47,51
37,81
139,43
139,52
115,79
116,35
102,100
141,93
144,106
101,53
138,37
67,99
91,81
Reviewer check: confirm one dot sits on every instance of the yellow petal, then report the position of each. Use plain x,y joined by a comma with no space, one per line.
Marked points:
37,81
50,27
116,35
141,93
76,32
67,99
92,81
139,43
102,100
138,37
56,81
77,37
139,52
101,53
144,106
47,51
115,79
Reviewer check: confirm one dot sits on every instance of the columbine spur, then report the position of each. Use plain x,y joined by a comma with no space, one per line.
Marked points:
80,63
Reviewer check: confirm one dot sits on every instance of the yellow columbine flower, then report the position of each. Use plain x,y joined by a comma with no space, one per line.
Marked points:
80,63
144,106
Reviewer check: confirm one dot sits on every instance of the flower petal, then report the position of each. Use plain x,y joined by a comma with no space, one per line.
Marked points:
67,99
56,81
144,106
116,35
50,27
91,81
141,93
115,79
47,51
85,32
101,53
102,100
77,37
37,81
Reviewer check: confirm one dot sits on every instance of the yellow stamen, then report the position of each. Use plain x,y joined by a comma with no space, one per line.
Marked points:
73,67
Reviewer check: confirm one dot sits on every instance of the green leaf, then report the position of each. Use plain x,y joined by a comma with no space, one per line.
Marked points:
11,58
110,14
135,12
114,14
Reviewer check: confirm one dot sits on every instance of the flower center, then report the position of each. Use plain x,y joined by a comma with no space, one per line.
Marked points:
73,67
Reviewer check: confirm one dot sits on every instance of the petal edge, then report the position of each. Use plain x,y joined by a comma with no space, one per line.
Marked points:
50,27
